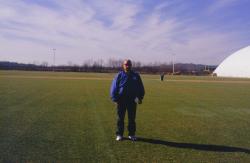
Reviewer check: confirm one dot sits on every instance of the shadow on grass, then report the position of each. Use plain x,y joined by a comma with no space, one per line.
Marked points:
203,147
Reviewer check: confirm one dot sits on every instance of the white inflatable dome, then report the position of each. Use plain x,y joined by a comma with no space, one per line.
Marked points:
236,65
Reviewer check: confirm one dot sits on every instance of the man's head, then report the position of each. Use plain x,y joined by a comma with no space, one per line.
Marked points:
127,65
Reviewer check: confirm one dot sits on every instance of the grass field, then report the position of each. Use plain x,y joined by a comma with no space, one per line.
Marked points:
69,117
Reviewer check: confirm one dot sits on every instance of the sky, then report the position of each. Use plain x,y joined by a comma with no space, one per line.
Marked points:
186,31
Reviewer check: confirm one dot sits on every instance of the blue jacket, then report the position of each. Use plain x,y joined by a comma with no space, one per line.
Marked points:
127,87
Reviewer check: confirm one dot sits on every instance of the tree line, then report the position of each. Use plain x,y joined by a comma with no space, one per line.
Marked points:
114,65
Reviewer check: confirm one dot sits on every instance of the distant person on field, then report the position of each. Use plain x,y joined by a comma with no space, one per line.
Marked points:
162,76
126,91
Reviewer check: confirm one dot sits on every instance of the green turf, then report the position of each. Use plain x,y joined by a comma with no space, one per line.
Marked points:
71,119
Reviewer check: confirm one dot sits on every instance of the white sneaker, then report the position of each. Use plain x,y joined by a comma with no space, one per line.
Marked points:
118,138
133,138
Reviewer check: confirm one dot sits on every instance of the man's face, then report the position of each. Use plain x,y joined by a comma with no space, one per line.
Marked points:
127,65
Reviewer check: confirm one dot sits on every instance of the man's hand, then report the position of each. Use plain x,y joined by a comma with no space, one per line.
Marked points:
139,101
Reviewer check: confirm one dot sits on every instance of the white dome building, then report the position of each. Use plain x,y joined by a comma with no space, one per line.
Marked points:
236,65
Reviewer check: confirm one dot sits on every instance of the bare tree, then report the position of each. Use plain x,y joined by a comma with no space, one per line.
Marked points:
45,64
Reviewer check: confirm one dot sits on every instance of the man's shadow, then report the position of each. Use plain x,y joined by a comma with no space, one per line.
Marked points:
203,147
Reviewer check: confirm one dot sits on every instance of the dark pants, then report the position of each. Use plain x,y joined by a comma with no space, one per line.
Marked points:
130,106
162,77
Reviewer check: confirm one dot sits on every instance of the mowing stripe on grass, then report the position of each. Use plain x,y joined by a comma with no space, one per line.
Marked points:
104,78
102,136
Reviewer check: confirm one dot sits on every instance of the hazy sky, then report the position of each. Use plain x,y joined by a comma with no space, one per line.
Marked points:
195,31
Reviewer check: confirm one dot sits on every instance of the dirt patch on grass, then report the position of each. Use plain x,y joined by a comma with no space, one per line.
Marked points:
211,81
53,77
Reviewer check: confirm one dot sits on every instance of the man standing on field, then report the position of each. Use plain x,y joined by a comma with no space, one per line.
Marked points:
126,91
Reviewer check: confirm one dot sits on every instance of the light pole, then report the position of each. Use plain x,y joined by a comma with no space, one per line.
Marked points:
173,61
54,58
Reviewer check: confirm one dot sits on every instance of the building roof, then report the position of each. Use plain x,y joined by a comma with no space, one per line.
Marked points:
236,65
